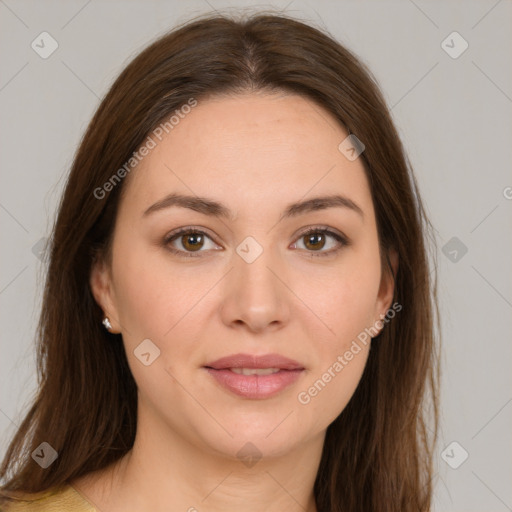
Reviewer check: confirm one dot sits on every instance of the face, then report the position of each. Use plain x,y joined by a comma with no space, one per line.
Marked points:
248,264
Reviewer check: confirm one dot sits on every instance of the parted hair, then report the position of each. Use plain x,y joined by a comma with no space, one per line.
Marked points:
378,453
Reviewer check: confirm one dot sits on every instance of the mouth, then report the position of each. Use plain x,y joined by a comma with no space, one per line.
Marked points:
255,377
254,371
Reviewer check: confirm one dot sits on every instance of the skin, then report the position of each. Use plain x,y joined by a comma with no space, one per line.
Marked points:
255,153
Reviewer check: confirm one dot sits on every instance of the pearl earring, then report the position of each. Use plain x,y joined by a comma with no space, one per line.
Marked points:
107,324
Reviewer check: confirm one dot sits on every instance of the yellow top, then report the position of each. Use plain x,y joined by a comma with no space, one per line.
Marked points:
68,499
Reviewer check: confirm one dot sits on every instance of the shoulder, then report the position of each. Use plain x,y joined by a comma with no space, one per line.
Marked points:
63,499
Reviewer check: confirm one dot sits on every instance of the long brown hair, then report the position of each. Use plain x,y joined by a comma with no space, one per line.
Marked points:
378,453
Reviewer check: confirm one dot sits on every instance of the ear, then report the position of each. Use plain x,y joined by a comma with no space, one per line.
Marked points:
100,281
387,284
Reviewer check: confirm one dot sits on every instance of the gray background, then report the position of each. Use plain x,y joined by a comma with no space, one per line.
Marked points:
454,117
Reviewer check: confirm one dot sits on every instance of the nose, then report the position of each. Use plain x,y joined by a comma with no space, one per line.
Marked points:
256,296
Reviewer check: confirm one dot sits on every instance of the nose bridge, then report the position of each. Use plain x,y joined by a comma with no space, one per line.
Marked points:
256,295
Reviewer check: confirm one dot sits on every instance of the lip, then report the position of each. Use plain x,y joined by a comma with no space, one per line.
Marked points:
253,361
255,387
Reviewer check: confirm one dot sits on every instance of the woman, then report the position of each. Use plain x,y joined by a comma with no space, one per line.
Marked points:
238,310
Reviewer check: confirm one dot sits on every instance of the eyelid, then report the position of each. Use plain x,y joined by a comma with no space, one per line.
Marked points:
343,240
186,230
322,228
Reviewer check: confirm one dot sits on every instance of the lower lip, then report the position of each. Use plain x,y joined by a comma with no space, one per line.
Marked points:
255,386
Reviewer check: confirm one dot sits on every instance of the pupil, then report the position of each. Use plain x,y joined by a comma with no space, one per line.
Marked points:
194,237
312,238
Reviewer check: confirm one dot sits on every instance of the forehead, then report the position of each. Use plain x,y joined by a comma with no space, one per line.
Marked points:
250,149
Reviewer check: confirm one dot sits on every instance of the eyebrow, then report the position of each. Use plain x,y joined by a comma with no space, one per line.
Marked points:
213,208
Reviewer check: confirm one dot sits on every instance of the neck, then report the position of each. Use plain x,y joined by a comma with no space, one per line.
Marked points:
164,471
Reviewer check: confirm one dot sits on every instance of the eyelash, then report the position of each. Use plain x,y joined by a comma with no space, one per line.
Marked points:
342,240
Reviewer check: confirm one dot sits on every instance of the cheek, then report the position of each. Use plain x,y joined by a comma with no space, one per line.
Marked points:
341,353
156,301
345,300
152,295
327,393
344,296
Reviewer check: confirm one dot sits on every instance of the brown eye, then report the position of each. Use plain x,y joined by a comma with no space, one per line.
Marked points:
189,242
192,241
314,241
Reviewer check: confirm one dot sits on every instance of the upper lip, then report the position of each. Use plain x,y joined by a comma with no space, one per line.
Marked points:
253,361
